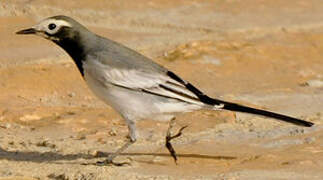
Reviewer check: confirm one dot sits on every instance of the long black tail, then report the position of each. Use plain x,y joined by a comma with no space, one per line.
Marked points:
245,109
237,107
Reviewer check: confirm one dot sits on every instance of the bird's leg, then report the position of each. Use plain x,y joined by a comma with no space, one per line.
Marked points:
169,137
132,139
109,160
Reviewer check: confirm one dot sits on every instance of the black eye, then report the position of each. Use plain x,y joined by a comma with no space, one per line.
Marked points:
51,26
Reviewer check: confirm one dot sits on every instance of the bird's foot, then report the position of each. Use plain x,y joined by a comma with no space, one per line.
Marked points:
168,144
110,162
107,162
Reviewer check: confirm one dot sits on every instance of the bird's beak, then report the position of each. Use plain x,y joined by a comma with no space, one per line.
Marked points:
27,31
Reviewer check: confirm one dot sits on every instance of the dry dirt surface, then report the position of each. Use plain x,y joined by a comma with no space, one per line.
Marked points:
263,53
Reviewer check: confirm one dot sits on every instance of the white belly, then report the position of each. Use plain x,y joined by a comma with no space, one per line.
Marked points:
135,104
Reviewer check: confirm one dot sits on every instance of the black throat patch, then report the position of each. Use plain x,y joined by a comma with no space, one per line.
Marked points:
75,49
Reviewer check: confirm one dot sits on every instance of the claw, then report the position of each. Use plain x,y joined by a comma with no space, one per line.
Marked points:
168,144
109,162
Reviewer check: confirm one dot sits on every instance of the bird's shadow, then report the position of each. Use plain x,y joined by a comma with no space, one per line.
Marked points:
40,157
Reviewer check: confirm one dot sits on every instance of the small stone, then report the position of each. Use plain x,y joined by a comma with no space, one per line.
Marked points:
306,163
29,117
58,177
88,98
93,153
101,140
70,113
310,140
45,143
314,83
296,132
211,60
80,137
6,173
286,163
71,94
113,132
22,143
6,126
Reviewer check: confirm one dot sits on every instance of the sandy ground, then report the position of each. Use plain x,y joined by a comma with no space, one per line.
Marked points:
267,54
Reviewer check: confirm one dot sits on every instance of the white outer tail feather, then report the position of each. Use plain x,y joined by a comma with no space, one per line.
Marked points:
218,107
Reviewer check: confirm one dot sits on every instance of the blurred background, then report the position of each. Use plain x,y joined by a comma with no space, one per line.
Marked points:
267,54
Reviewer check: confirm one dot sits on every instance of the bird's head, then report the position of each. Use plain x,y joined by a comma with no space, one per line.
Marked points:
56,28
73,37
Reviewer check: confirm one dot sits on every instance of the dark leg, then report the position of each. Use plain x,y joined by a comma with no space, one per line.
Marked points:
169,137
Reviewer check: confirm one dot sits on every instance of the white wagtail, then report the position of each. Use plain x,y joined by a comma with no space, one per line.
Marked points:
131,83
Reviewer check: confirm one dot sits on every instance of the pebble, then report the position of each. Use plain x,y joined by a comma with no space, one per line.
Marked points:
11,143
307,163
29,117
72,94
295,132
101,140
73,176
113,132
80,137
45,143
211,60
310,140
93,153
6,126
58,177
314,83
22,143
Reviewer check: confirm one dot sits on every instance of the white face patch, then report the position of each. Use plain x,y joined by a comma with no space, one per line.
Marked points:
50,26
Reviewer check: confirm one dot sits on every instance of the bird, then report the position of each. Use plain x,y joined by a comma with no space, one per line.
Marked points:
131,83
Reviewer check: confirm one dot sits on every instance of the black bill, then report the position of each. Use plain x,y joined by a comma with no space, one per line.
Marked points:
27,31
